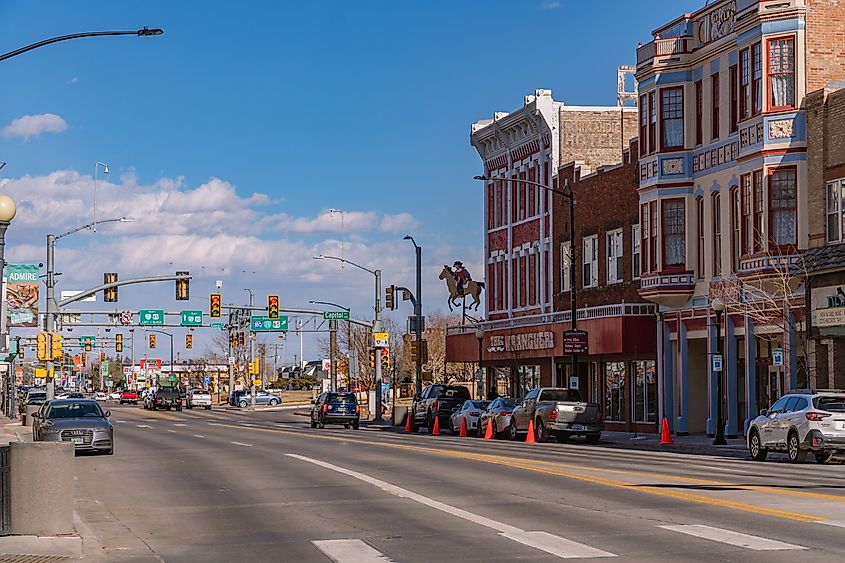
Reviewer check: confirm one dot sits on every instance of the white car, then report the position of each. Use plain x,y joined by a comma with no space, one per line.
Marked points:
198,398
470,411
799,423
114,396
100,396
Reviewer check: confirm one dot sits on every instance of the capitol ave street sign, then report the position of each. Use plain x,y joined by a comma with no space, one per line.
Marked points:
336,315
262,323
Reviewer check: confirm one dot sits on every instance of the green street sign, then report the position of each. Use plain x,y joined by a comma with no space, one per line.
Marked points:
263,323
104,369
83,340
217,325
151,316
172,378
336,315
191,318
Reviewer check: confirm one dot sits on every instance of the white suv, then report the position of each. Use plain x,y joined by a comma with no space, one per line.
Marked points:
801,422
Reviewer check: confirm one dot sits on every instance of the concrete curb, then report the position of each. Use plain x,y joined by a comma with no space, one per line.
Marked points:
91,545
56,546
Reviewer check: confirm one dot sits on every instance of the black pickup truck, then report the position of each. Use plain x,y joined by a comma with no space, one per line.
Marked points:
165,398
436,401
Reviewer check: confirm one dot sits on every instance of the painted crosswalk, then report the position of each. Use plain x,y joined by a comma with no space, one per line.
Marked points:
729,537
350,551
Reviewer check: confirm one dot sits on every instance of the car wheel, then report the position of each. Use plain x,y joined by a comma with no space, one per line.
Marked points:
482,427
513,433
313,424
593,438
355,425
824,457
793,448
542,433
755,448
243,404
346,426
208,408
429,423
273,402
110,451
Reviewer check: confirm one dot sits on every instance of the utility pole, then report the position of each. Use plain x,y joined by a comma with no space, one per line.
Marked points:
333,352
251,336
377,328
49,319
229,360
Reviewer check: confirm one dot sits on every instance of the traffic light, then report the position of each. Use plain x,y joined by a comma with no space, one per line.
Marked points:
87,342
372,358
152,341
110,294
43,346
56,351
214,303
182,288
389,297
84,359
241,339
273,307
253,367
189,341
102,356
118,343
385,359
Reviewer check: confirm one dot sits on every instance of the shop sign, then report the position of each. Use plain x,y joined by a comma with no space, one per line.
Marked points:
828,306
575,342
522,342
777,356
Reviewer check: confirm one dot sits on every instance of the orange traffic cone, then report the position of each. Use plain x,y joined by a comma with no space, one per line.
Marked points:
463,433
665,435
530,438
408,423
488,434
436,430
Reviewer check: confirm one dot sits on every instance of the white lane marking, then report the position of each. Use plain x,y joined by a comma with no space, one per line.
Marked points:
350,551
837,523
539,540
280,425
173,431
732,538
198,436
561,547
143,426
120,421
179,424
241,444
216,424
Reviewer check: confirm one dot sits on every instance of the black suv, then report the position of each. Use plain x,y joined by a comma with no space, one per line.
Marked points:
335,408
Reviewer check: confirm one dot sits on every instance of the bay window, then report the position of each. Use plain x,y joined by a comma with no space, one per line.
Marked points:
736,228
717,234
744,83
615,273
652,207
635,252
674,233
699,112
835,218
747,218
672,118
591,262
714,116
645,234
756,79
782,73
759,235
782,206
652,122
699,226
643,125
734,100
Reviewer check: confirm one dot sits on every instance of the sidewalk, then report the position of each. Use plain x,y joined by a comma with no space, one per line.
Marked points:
693,444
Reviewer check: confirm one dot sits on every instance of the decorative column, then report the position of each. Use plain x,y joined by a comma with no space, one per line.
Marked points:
712,376
731,428
683,380
669,375
750,374
791,352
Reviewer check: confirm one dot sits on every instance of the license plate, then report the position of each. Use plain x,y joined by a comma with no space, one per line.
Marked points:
577,427
78,440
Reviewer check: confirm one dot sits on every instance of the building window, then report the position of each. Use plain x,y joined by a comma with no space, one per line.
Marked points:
643,125
614,391
717,234
614,257
635,252
748,232
734,100
591,262
645,391
714,92
652,207
782,73
674,233
833,210
757,79
699,112
672,118
565,263
782,207
736,228
699,226
645,234
744,83
759,235
652,122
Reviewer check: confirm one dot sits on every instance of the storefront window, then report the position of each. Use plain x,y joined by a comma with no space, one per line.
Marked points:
645,391
528,378
614,391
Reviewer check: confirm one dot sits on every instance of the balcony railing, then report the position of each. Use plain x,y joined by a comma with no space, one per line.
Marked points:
583,314
662,48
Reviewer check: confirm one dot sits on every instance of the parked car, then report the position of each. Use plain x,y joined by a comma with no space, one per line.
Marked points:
498,414
198,398
436,401
128,397
33,397
100,396
80,421
799,423
335,408
165,398
471,412
262,397
114,396
558,411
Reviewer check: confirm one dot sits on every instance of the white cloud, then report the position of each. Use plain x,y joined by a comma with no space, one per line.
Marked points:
398,222
33,125
550,5
73,80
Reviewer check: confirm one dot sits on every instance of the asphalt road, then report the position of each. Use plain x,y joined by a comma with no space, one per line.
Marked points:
234,486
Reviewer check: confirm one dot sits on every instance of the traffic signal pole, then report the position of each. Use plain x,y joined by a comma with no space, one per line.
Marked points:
333,352
49,318
377,328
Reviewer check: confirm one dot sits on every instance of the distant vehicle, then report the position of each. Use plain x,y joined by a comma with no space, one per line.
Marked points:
557,410
436,401
335,408
114,396
128,397
471,412
499,414
70,395
100,396
33,397
164,398
262,397
800,423
198,398
80,421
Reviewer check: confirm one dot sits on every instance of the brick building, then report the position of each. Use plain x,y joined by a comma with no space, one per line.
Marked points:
724,190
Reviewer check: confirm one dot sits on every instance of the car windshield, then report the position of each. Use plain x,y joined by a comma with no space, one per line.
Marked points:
564,395
832,404
451,393
74,410
342,398
480,404
508,405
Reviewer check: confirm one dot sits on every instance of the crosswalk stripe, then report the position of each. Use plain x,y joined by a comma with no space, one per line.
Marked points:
560,547
755,543
350,551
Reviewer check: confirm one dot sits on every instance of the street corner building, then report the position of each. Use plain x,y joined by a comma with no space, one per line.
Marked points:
734,190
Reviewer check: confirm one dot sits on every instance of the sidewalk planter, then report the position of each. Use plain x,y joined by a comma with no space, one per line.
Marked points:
41,488
26,419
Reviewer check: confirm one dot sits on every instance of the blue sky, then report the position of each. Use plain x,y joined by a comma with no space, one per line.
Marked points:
247,122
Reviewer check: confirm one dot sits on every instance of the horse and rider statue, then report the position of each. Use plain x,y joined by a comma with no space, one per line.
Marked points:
460,284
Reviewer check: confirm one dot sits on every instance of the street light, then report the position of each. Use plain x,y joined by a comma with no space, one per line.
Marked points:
251,351
479,334
376,323
342,230
144,32
333,340
105,171
418,315
718,307
573,292
8,209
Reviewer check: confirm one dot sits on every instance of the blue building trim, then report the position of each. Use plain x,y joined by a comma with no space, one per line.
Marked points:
682,428
668,78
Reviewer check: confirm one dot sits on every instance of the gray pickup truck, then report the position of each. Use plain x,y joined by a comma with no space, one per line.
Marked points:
556,411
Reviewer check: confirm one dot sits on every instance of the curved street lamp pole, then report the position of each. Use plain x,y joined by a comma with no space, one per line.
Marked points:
144,32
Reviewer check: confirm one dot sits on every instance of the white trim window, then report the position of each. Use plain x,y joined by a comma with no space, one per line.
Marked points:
565,262
614,257
835,217
590,277
636,244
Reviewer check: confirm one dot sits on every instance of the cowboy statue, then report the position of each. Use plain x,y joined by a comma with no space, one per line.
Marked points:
462,276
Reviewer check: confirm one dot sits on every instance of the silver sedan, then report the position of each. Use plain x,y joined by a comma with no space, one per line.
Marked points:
79,421
469,411
499,413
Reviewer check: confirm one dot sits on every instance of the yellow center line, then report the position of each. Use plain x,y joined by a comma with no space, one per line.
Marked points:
517,463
